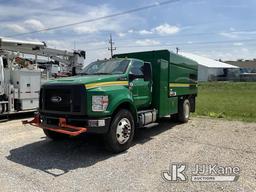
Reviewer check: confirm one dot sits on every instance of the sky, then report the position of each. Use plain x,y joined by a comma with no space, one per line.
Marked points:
218,29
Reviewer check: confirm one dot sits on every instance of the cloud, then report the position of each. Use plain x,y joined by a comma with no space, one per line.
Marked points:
34,24
244,49
147,42
64,45
245,32
99,43
95,12
61,12
145,32
96,27
121,34
235,34
22,27
105,25
229,35
238,44
16,28
166,29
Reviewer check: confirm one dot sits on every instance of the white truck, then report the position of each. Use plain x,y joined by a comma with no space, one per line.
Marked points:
21,78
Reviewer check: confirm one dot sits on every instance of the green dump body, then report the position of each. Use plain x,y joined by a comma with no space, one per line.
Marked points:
174,77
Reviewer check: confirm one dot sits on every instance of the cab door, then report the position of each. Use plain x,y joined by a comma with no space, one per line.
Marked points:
141,89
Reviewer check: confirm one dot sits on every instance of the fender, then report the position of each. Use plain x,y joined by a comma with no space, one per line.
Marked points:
123,98
126,104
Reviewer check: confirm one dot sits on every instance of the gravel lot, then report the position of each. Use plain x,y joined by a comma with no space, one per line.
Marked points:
30,162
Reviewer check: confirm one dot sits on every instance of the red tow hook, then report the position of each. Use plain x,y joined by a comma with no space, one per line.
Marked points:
63,127
35,121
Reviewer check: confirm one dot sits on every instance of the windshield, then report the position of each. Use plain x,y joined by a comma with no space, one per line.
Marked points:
115,66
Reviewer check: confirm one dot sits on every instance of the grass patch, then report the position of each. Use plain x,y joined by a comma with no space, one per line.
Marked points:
230,100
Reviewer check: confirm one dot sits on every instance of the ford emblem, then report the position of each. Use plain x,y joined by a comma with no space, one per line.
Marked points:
56,99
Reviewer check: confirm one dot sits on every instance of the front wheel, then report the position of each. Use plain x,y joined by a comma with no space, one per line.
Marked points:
120,135
184,111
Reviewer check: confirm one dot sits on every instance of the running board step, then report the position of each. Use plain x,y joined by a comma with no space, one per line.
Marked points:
151,125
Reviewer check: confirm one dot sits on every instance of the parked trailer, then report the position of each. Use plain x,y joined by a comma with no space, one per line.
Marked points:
113,97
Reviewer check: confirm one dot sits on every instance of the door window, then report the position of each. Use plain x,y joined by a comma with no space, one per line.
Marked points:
137,68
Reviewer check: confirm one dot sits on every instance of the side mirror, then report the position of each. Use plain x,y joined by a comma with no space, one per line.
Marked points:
132,76
147,72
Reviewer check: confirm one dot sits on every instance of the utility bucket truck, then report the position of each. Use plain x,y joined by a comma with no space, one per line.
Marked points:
21,78
114,97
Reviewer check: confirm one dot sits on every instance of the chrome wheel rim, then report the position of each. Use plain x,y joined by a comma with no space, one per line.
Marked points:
123,131
187,111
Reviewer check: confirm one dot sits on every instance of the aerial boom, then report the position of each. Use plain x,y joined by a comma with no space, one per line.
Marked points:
71,59
21,75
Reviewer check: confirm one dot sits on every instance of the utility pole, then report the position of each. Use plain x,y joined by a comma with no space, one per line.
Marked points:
177,50
111,48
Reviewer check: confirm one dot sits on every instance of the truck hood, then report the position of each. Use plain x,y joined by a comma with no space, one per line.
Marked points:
86,79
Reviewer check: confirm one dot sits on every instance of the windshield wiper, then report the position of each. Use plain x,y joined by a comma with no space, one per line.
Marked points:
101,74
94,74
83,73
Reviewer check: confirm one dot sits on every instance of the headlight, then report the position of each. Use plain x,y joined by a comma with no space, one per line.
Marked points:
99,103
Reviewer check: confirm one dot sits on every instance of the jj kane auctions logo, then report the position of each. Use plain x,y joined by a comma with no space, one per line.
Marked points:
178,172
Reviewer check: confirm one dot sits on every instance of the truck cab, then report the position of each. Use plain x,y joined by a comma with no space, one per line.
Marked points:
113,97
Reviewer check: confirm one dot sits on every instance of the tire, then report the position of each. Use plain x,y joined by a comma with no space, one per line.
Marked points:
116,140
184,111
54,135
1,108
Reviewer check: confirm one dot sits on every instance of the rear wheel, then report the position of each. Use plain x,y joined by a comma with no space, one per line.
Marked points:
54,135
184,111
121,132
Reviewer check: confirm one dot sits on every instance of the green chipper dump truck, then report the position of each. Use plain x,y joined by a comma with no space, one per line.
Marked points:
113,97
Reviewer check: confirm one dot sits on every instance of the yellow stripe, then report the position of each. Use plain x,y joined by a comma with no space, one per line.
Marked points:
180,85
103,84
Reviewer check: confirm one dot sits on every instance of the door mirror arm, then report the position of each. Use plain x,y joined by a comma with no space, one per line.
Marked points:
133,76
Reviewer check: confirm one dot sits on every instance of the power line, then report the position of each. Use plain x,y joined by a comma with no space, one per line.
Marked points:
98,18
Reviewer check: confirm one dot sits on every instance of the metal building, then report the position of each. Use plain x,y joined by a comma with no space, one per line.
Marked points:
212,70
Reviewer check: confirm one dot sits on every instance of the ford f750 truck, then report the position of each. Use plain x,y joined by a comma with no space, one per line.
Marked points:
113,97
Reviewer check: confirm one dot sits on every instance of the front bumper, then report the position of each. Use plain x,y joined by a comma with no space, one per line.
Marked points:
70,126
